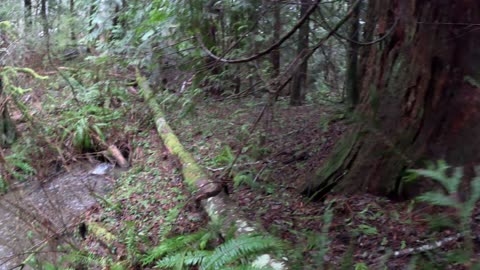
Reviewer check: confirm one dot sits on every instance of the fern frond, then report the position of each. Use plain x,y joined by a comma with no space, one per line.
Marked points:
439,174
469,205
171,245
86,259
436,198
246,267
225,157
238,248
131,241
178,260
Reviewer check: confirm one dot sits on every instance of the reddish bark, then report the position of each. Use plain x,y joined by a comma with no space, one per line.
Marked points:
420,95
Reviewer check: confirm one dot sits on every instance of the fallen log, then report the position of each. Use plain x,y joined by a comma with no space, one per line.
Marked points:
219,207
115,152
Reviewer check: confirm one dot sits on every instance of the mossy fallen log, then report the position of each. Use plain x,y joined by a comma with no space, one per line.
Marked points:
220,208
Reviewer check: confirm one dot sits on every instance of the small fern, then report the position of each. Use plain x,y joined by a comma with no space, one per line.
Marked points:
180,259
226,157
90,260
85,125
449,198
239,248
3,185
244,177
229,255
18,163
131,241
175,244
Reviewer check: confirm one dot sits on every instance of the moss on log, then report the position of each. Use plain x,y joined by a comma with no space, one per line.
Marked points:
220,208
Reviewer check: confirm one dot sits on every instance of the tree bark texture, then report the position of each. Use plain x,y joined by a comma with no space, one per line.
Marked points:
277,29
351,83
420,97
7,127
299,80
73,37
43,15
28,13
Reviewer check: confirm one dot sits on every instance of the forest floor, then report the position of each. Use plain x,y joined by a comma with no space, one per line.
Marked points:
296,141
150,202
285,149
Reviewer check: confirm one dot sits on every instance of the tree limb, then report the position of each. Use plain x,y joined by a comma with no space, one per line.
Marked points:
264,52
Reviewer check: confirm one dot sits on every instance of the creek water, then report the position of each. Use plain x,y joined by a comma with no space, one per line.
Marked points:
35,212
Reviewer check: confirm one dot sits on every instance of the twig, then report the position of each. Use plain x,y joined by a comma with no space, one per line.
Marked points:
266,51
239,165
260,172
294,65
426,247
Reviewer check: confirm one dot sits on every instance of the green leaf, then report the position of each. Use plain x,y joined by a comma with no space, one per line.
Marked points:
361,266
243,177
147,35
439,199
170,246
238,248
438,173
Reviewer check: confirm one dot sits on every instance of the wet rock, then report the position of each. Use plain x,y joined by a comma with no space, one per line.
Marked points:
102,169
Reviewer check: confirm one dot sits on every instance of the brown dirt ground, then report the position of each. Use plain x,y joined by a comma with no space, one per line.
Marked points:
296,141
283,151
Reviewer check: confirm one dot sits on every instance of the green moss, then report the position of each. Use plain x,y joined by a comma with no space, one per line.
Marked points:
100,232
29,71
336,161
191,171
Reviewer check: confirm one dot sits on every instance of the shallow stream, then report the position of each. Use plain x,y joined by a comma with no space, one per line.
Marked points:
34,212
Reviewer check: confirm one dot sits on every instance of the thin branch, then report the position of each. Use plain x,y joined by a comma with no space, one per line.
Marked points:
302,57
357,42
266,51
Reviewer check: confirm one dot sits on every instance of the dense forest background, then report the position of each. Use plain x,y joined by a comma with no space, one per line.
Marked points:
249,134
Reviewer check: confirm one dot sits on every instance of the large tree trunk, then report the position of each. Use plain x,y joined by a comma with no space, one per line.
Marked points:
420,97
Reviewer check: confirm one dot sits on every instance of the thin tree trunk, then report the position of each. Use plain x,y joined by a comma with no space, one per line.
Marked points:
28,14
298,86
7,127
277,29
43,15
73,37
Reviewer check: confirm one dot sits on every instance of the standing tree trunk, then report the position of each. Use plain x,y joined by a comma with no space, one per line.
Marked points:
420,97
7,127
277,29
43,15
209,34
299,80
73,37
28,14
351,84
